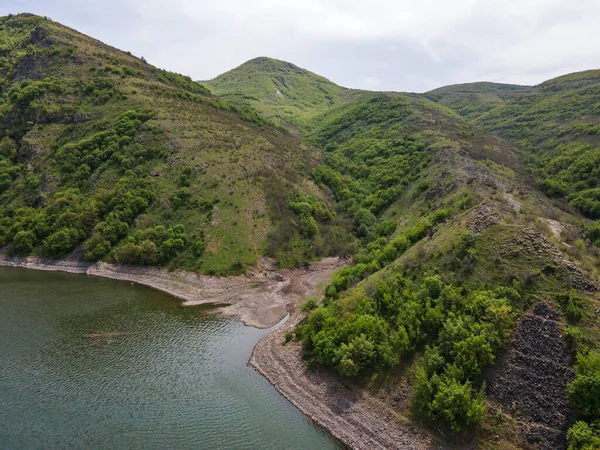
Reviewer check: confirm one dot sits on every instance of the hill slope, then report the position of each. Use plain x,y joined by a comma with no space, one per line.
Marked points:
471,100
456,245
557,126
279,90
100,148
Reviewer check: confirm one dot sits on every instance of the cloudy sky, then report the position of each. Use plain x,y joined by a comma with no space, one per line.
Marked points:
403,45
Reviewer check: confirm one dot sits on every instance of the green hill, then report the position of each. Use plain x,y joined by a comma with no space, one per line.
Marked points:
280,91
471,100
453,246
557,126
456,244
103,153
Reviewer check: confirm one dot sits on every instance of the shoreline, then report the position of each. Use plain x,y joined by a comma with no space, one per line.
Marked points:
260,299
263,299
353,417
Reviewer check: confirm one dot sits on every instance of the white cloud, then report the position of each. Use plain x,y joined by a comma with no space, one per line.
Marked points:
404,44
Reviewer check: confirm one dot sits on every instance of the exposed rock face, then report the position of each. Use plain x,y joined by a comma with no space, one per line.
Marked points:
535,243
485,217
39,35
532,379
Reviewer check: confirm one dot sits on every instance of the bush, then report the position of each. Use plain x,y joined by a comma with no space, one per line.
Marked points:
23,243
584,390
96,247
574,337
446,401
572,305
309,304
583,436
62,242
288,336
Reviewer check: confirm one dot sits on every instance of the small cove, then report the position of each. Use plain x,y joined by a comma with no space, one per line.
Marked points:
93,363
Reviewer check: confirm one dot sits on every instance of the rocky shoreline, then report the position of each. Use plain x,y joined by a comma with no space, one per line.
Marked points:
355,418
262,299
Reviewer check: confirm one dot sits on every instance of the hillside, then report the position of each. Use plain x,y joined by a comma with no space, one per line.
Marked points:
280,91
104,154
459,262
557,126
458,249
471,100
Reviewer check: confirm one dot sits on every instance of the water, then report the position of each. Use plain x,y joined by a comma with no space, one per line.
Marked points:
89,363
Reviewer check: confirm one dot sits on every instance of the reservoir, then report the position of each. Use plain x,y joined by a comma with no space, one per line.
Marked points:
91,363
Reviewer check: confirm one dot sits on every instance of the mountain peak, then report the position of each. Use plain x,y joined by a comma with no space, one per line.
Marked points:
280,90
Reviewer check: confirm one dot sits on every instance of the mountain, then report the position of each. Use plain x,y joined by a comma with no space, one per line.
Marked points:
467,213
280,91
108,155
461,255
557,126
471,100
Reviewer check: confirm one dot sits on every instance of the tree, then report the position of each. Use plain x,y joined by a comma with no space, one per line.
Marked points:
61,242
23,242
582,436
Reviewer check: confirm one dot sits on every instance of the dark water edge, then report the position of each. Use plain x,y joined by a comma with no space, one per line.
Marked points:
93,363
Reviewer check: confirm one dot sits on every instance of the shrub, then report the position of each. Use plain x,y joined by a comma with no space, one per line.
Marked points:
96,247
583,436
584,390
61,242
289,335
572,305
574,337
23,243
309,304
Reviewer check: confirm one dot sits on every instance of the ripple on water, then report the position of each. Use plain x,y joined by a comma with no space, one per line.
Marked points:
92,363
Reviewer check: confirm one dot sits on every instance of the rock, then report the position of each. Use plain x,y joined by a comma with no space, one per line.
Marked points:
485,217
532,378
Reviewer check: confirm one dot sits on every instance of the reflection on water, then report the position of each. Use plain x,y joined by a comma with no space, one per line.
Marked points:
93,363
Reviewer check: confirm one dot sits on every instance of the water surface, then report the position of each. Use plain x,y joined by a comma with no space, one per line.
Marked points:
94,363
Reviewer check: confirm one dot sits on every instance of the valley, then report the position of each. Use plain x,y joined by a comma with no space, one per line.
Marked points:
419,243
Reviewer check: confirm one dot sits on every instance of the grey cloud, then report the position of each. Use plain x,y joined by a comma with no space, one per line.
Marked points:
380,44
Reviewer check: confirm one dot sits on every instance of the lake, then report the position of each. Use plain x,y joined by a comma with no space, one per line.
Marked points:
93,363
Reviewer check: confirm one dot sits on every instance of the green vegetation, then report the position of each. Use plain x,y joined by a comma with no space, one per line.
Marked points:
471,100
556,126
462,329
280,91
106,156
369,156
584,393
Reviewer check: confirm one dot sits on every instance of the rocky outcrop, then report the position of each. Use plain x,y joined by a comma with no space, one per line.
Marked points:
533,242
531,381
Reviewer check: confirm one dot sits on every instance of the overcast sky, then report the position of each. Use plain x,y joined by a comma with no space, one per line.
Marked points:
402,45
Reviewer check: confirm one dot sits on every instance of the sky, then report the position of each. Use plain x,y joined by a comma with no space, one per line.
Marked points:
401,45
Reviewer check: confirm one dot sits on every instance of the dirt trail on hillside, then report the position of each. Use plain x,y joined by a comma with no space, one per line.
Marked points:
260,299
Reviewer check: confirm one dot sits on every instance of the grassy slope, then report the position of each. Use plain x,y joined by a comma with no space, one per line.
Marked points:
239,169
471,100
557,126
279,90
404,158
